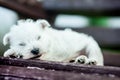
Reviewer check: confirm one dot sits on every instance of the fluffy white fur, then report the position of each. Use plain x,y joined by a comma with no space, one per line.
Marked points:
53,45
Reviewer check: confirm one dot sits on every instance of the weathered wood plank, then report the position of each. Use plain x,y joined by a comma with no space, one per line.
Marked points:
61,66
25,73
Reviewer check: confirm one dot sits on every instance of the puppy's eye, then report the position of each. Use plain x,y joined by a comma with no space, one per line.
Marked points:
22,44
38,37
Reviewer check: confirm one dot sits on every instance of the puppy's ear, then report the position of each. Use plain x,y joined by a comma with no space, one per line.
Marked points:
44,23
6,39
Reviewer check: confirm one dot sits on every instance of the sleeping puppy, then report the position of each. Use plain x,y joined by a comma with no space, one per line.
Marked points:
36,39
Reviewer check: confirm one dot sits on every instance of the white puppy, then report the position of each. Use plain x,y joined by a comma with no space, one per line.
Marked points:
30,39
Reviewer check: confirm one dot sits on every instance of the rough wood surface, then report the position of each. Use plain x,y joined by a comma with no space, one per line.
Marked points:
70,67
30,73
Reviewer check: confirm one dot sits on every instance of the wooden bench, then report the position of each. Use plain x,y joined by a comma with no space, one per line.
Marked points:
19,69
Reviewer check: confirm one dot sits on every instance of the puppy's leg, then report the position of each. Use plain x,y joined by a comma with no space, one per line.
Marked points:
9,53
94,53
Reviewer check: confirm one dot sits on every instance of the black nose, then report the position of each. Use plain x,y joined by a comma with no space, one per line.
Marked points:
35,51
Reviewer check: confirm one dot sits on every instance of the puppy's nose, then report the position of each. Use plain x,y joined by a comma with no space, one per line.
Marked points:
35,51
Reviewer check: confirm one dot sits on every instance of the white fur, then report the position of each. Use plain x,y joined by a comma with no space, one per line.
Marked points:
54,45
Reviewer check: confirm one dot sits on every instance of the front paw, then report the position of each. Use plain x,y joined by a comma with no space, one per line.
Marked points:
81,59
92,62
10,53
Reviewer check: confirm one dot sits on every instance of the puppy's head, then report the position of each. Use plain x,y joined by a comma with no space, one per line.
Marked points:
27,38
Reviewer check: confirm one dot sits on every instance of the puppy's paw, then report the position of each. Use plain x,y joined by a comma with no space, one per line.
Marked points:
92,62
81,59
10,53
